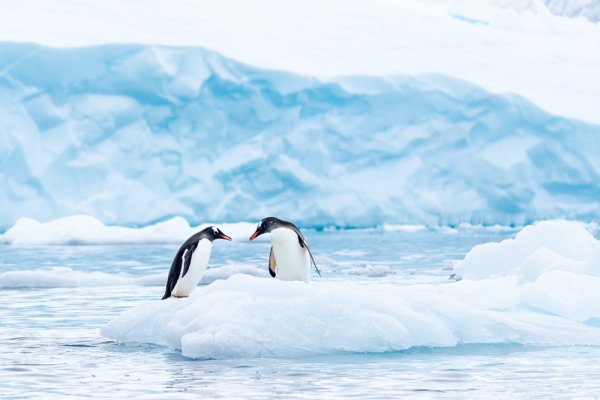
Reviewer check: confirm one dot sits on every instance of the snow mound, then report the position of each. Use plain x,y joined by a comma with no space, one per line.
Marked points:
135,134
63,277
84,230
247,316
534,251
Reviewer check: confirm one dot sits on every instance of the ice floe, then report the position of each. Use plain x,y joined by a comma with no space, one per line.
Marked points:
246,316
83,229
535,250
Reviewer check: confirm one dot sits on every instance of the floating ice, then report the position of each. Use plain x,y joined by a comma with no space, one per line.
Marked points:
247,316
535,250
557,304
82,229
403,228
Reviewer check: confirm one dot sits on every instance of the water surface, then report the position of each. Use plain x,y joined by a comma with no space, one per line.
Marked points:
50,345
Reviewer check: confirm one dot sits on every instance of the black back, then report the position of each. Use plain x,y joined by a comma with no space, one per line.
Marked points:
189,245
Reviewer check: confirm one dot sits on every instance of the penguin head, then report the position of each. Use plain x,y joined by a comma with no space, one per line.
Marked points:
212,233
266,226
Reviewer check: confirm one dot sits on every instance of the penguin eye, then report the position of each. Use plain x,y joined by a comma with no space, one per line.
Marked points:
215,230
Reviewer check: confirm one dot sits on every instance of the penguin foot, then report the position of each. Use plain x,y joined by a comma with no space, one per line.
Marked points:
179,294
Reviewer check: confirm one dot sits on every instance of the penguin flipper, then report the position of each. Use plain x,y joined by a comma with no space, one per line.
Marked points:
187,258
272,263
174,273
304,245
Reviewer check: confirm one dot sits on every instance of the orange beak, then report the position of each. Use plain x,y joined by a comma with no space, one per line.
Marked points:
224,236
255,235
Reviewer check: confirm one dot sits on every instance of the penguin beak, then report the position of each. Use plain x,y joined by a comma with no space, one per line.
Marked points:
255,234
223,236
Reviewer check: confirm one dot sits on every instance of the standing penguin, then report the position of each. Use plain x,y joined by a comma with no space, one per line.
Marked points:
290,257
193,255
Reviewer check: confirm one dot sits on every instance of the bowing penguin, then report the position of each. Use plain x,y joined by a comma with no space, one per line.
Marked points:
190,262
290,257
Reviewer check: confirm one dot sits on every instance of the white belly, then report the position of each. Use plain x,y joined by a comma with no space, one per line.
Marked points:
198,265
292,260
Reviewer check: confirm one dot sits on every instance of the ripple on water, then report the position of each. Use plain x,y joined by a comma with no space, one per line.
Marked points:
50,346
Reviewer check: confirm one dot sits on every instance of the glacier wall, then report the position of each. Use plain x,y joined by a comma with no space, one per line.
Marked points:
134,134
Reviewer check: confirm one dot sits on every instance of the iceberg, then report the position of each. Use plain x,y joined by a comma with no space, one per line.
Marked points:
87,230
534,251
248,316
139,134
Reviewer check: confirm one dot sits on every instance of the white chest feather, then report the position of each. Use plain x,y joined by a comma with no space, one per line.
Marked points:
198,265
292,260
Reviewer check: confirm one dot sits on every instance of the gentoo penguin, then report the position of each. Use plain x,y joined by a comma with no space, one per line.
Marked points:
193,255
290,257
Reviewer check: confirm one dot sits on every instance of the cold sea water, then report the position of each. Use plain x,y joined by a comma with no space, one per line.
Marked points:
56,299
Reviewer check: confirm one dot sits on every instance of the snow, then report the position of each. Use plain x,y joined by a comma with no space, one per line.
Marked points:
338,37
143,136
508,152
82,229
534,251
246,316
